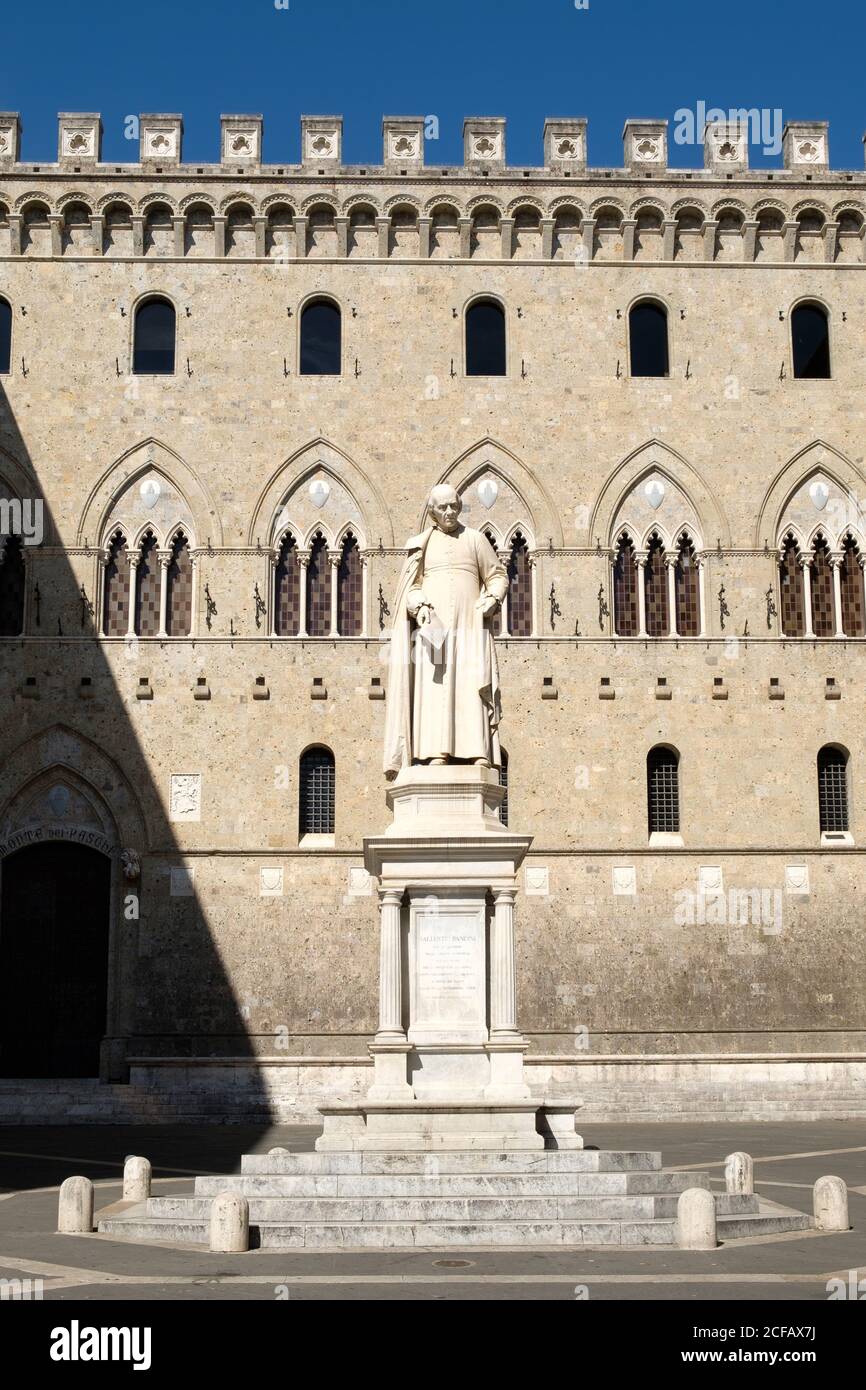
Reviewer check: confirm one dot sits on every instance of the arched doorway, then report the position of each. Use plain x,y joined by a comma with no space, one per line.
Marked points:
54,925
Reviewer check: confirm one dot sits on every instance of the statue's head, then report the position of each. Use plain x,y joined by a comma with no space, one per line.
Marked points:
445,507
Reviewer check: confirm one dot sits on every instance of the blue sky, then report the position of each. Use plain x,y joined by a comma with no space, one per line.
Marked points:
448,58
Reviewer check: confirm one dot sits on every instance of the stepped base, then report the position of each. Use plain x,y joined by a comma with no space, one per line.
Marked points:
408,1126
364,1199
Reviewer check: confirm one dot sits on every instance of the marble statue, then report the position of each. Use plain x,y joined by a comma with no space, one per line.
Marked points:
443,690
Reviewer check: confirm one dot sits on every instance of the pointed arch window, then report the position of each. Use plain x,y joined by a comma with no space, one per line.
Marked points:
656,590
821,587
350,589
851,586
178,579
147,586
496,621
11,586
625,592
5,337
154,338
519,588
287,590
792,588
687,590
503,782
316,792
810,341
663,791
648,339
115,601
485,338
319,589
833,790
321,353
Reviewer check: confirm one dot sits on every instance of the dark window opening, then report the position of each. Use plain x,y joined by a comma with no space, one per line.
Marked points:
316,814
663,791
485,339
648,340
833,790
810,338
320,339
5,337
153,351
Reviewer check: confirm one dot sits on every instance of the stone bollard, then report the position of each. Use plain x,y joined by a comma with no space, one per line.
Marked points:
830,1196
230,1223
75,1208
739,1174
696,1220
137,1173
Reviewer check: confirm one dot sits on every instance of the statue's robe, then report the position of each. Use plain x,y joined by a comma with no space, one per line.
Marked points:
443,689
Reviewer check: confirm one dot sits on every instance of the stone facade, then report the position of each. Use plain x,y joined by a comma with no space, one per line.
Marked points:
243,956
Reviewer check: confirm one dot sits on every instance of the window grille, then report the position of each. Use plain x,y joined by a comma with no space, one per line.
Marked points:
833,789
317,792
503,782
663,791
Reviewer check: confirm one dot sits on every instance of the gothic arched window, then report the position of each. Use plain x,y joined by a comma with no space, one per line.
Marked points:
485,338
519,588
656,590
316,792
319,589
178,599
11,586
115,591
350,589
833,789
648,339
320,339
625,596
823,598
791,586
5,336
663,790
496,619
851,584
154,338
810,341
687,588
147,587
287,590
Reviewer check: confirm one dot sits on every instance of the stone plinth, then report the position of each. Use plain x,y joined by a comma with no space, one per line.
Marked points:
448,1054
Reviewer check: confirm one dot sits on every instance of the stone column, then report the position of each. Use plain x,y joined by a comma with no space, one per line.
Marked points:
807,593
641,558
334,562
710,228
836,558
390,967
271,580
424,227
506,238
96,233
55,223
547,238
503,988
164,558
465,226
137,234
750,239
303,562
179,224
504,557
628,229
669,239
789,240
365,594
587,231
15,224
831,234
219,236
341,225
301,236
133,586
671,566
383,225
700,561
261,226
534,582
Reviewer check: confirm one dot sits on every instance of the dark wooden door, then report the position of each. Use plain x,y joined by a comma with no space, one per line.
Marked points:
54,919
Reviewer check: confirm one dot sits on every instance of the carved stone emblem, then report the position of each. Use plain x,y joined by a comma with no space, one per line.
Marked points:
130,863
186,796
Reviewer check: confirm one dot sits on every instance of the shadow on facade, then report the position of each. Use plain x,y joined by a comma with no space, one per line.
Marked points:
105,950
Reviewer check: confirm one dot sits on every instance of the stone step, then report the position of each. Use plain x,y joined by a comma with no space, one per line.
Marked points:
450,1184
431,1210
136,1225
455,1161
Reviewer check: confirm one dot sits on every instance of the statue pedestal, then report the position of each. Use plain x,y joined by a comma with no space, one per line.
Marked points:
448,1054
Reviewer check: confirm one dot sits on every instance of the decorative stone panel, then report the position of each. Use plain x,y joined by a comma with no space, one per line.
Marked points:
726,147
806,145
403,142
10,137
161,137
240,140
321,141
484,142
185,804
645,144
565,144
79,138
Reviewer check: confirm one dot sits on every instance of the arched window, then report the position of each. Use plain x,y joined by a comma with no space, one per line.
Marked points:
287,590
115,591
76,227
687,588
503,782
319,589
147,586
485,338
280,231
117,229
320,339
656,590
810,341
159,230
663,791
625,596
519,588
792,590
823,599
240,231
851,584
496,619
153,338
178,599
350,589
833,789
316,788
363,233
198,231
648,339
11,586
5,336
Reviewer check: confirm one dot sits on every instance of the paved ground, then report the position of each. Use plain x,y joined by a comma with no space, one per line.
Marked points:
788,1159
